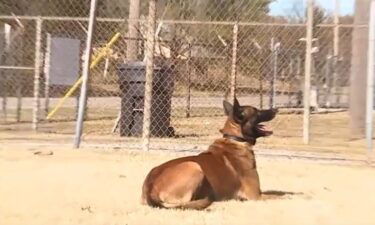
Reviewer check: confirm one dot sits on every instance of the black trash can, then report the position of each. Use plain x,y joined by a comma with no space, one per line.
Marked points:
132,80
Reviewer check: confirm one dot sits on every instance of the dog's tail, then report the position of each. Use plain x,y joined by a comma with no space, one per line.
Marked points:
195,204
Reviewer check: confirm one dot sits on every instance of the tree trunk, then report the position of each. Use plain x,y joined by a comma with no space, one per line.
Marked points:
357,102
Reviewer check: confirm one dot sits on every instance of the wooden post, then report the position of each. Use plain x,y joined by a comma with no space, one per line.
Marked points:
150,48
133,29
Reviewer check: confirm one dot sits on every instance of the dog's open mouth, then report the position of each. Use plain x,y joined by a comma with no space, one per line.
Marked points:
263,130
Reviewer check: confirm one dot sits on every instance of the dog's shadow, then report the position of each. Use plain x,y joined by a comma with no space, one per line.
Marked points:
276,194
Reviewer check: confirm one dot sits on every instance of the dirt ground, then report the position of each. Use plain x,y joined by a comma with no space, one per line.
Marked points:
58,185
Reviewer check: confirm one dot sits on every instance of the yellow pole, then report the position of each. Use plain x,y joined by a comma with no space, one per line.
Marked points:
94,62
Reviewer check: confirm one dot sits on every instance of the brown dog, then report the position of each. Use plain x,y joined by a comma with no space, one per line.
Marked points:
227,170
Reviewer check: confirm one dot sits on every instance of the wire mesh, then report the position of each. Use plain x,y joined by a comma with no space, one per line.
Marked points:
193,70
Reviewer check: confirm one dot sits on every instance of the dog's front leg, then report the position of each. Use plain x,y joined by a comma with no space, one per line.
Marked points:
250,187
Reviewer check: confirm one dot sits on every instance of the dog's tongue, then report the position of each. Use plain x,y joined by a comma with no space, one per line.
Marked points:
265,129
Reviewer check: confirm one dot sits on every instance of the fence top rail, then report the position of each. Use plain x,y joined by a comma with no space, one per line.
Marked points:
232,23
187,22
343,25
63,18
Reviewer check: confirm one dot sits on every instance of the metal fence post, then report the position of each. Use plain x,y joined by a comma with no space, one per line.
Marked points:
85,75
46,74
4,90
290,84
188,96
275,67
370,78
308,67
19,101
233,80
150,47
336,47
327,83
3,74
36,107
261,91
272,73
275,54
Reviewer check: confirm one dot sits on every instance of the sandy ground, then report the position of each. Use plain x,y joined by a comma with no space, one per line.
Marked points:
64,186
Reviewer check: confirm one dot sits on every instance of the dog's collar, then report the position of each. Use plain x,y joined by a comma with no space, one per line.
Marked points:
240,139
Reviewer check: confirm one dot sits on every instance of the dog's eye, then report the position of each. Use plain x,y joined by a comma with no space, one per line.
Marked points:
242,115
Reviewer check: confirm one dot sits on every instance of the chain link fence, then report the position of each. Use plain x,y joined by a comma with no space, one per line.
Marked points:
205,52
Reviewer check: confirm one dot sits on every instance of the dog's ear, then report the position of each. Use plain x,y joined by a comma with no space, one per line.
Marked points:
236,105
236,110
233,111
228,108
